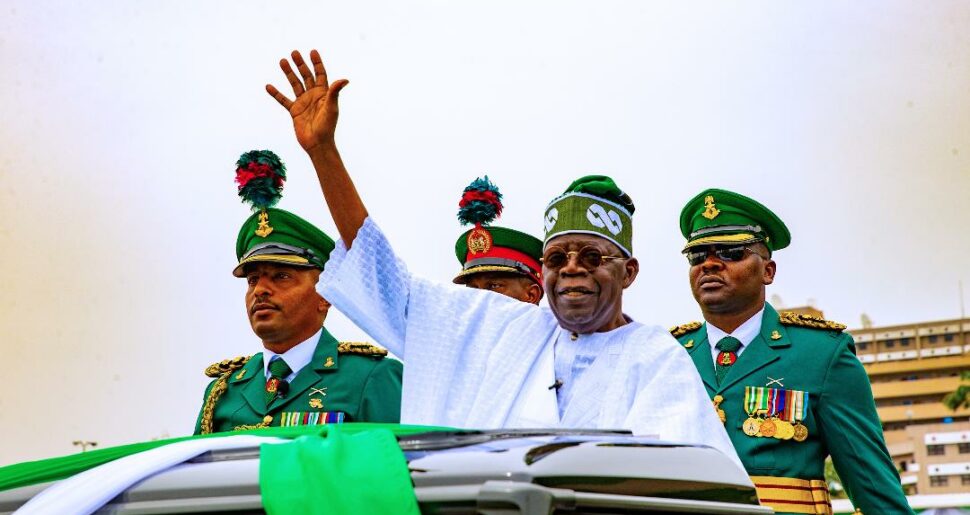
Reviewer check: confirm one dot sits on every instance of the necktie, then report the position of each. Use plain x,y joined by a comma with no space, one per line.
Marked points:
728,346
278,369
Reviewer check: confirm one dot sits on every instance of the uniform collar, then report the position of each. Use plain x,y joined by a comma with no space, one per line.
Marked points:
745,333
296,357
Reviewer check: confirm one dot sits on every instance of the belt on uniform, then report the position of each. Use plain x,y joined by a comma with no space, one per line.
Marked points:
793,495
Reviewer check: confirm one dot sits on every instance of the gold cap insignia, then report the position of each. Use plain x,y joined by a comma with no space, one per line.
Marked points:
479,241
710,212
329,362
775,335
264,229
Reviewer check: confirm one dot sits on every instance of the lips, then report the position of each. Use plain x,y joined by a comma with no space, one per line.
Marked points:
262,307
710,282
575,292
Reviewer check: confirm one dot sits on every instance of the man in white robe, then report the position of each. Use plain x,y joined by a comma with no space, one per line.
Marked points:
480,360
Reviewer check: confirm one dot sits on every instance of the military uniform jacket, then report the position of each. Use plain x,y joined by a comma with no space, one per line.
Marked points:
342,383
814,356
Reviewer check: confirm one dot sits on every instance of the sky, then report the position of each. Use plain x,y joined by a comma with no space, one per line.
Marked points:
121,123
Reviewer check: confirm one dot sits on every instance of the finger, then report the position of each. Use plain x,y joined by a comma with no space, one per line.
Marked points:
318,68
292,78
304,69
334,93
275,93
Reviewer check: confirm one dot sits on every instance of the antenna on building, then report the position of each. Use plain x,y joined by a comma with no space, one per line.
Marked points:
963,313
866,321
776,301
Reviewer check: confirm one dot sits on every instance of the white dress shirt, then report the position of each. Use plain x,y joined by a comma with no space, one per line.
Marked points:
296,358
745,333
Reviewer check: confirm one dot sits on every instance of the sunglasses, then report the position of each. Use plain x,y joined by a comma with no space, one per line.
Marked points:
727,254
588,258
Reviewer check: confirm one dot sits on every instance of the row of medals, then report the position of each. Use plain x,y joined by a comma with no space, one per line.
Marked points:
775,427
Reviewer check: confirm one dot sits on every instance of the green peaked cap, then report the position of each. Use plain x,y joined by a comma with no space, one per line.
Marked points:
508,251
592,205
278,236
722,217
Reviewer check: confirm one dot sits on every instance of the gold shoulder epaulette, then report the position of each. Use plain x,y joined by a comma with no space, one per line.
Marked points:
226,365
792,318
361,348
680,330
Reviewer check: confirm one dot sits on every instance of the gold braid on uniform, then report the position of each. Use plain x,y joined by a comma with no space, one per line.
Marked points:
680,330
798,319
222,370
361,348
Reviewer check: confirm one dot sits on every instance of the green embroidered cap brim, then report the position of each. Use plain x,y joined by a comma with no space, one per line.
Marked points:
583,213
278,236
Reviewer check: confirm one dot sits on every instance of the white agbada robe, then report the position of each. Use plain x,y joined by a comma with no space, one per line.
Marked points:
477,359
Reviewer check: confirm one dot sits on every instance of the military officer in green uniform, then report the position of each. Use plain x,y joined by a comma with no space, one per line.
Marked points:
304,376
496,258
788,387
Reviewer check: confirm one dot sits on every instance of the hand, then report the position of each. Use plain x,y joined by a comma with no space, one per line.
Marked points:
315,110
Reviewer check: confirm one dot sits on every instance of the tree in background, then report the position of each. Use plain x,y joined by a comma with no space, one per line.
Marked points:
960,398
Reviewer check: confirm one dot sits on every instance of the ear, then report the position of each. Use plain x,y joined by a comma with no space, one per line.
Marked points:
533,293
323,306
769,273
632,268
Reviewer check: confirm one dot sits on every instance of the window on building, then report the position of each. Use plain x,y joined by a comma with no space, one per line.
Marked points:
965,479
935,450
905,342
964,448
939,480
932,338
863,345
890,344
948,337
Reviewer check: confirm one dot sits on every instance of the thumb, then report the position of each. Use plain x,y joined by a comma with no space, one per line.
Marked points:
335,88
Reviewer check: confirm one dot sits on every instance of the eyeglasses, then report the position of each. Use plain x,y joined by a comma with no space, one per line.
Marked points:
727,254
588,257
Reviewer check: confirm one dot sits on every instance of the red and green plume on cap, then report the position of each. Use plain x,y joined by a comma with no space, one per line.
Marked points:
260,175
492,249
273,235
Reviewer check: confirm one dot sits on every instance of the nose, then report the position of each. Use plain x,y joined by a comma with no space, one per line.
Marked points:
261,288
572,265
712,262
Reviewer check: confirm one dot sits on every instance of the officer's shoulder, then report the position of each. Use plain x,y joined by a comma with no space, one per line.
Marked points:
680,330
811,322
226,366
362,349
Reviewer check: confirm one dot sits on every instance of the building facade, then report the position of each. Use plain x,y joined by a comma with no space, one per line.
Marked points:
912,367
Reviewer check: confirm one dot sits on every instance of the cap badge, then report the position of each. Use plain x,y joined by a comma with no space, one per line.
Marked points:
710,212
264,229
479,241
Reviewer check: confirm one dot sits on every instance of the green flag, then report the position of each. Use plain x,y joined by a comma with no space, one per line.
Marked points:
337,474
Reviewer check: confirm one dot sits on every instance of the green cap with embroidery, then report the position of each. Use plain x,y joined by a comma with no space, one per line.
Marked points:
270,234
722,217
592,205
277,236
